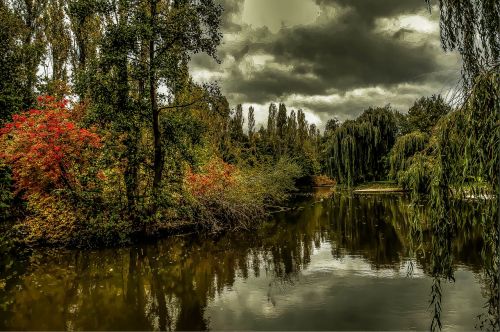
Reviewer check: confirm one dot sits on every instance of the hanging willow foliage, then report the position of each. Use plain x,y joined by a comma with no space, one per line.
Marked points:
462,164
404,148
463,151
355,148
472,28
469,138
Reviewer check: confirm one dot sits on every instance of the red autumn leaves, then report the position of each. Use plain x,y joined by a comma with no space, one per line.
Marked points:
47,150
215,177
45,147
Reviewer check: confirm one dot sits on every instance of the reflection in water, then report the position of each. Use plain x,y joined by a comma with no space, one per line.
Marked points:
345,262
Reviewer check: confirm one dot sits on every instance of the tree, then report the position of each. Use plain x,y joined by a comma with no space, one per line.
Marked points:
174,30
85,17
11,67
302,127
271,121
31,15
251,123
405,147
281,121
331,126
472,28
58,39
358,150
143,48
402,123
426,112
237,124
292,131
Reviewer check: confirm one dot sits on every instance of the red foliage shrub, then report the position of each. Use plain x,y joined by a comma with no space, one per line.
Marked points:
46,148
215,177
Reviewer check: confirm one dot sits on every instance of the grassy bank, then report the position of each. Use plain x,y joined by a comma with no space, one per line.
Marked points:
379,186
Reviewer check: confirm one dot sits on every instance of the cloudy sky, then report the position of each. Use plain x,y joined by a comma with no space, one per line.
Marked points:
332,58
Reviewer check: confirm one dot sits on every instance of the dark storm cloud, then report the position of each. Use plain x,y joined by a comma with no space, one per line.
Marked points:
348,54
368,10
272,84
345,48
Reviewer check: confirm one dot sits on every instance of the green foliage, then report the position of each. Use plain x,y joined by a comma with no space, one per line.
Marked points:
11,66
402,123
273,182
6,194
356,150
463,147
237,124
462,162
469,138
417,173
331,126
404,148
426,112
224,197
471,28
251,123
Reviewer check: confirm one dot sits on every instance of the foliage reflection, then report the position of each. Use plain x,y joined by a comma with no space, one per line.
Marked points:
169,285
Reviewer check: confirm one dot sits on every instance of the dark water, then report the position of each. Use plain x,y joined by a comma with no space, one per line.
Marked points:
340,263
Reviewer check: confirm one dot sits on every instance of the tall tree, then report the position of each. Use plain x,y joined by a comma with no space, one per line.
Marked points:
11,66
302,127
58,38
237,124
86,20
175,29
292,130
111,88
331,126
251,123
32,41
357,151
271,121
281,120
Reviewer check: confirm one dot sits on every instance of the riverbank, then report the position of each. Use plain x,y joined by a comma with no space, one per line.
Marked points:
378,186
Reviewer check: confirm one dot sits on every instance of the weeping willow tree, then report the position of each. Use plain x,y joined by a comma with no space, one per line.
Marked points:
472,28
462,159
461,164
405,147
357,150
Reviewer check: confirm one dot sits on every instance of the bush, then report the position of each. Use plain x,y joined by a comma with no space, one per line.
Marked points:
46,150
53,163
225,197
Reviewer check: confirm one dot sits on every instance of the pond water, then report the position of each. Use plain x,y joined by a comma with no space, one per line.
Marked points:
341,262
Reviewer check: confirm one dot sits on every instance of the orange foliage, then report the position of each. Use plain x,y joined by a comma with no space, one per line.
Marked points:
44,147
215,177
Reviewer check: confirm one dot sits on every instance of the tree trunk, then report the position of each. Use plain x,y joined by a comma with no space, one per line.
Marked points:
131,170
158,153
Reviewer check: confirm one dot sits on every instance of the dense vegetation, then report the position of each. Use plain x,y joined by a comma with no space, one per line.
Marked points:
105,137
114,140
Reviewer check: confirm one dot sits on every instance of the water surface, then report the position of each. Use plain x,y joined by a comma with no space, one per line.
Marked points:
347,262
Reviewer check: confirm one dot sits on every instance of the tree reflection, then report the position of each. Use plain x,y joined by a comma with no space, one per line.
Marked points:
169,285
466,233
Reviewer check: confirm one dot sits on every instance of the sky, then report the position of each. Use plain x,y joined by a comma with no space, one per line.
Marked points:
331,58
